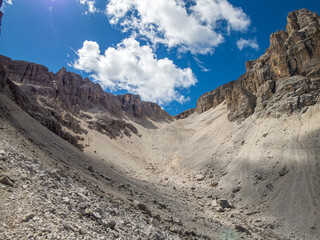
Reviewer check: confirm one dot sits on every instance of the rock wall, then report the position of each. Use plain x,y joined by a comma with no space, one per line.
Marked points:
294,52
139,110
56,100
185,114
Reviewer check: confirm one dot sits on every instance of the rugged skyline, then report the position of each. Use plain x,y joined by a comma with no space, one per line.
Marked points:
158,57
83,163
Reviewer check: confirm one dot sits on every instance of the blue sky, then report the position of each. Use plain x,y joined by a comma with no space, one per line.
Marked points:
168,51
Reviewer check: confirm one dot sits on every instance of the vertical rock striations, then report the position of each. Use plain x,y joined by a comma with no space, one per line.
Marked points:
140,110
293,58
59,100
185,114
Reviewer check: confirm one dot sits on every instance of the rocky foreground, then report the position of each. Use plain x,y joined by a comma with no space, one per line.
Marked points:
40,201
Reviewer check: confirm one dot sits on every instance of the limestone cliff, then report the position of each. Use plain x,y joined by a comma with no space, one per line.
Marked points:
289,70
185,114
139,110
60,101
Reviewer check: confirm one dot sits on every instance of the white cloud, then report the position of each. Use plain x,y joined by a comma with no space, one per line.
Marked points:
5,4
8,2
135,68
252,43
200,65
90,4
171,22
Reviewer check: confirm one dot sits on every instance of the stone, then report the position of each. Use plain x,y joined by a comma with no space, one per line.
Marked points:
143,208
173,229
65,200
242,229
96,215
219,209
177,221
200,177
2,155
112,224
28,217
269,186
90,168
236,189
6,181
214,184
224,203
283,171
163,205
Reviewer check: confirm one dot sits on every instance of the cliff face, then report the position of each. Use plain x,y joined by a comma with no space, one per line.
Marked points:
137,109
185,114
60,101
289,70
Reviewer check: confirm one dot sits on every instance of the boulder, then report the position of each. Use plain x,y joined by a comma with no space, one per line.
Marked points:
6,181
143,208
242,229
28,217
2,155
224,203
200,177
112,224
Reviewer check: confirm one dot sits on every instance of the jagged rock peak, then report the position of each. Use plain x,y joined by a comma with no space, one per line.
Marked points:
301,19
294,52
58,100
185,114
74,93
140,110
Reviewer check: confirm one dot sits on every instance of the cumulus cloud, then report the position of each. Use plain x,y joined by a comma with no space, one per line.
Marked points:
251,43
135,68
5,3
8,2
190,27
90,4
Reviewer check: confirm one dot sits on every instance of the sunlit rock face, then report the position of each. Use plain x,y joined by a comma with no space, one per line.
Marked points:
59,100
292,53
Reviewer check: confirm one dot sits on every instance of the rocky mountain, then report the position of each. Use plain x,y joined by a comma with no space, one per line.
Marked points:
59,100
282,81
185,113
243,164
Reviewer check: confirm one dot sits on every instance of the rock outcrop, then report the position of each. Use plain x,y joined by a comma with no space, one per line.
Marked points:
285,71
60,100
185,114
139,110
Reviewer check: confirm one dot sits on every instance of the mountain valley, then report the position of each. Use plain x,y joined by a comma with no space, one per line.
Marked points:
79,163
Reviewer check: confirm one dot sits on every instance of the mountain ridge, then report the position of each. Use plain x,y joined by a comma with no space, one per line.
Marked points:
294,52
247,166
55,99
